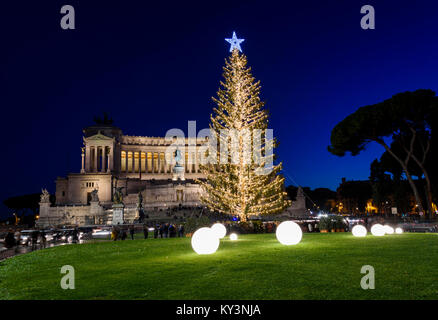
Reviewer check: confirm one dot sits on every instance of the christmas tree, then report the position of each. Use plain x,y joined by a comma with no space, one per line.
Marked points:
240,183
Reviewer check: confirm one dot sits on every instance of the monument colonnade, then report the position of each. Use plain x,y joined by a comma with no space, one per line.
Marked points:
155,160
97,158
100,158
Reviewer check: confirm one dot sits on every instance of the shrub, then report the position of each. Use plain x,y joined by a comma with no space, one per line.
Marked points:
193,224
257,226
269,227
339,222
244,227
325,223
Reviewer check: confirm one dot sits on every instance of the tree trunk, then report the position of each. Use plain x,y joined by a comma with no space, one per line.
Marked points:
404,165
428,185
429,200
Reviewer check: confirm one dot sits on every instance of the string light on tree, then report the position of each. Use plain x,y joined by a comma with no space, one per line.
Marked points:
236,187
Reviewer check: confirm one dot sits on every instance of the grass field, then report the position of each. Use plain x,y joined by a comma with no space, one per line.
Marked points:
322,266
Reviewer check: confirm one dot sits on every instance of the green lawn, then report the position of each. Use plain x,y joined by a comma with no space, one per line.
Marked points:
322,266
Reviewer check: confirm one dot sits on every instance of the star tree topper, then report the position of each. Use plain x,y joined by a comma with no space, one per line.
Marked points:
235,43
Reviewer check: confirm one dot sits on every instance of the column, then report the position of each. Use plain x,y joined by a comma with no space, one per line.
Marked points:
168,164
146,162
159,162
87,158
196,161
126,161
95,159
108,168
103,150
139,164
164,163
133,161
153,160
143,165
111,159
83,160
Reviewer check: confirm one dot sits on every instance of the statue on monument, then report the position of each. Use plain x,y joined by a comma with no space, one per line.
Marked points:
140,212
178,157
118,196
140,200
94,196
178,169
118,207
45,196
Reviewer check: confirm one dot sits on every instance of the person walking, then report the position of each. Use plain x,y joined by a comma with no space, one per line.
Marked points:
145,231
310,227
131,232
75,237
43,238
156,229
9,239
166,230
181,230
17,236
34,236
124,235
161,230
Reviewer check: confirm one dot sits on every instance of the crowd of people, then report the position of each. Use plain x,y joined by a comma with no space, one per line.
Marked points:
160,230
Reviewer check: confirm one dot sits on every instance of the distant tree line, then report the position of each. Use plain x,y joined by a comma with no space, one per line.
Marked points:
26,207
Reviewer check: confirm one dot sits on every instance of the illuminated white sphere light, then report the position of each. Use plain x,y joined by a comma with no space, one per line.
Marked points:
388,229
233,237
398,230
205,241
378,230
359,231
219,230
289,233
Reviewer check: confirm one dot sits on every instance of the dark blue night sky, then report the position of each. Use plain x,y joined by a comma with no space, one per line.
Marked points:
155,65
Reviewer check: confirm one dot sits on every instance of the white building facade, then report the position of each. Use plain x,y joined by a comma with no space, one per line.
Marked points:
141,166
